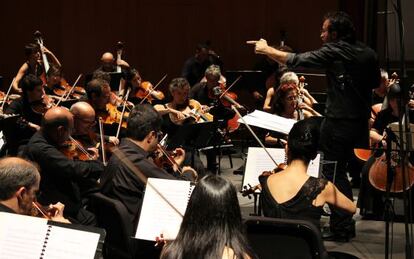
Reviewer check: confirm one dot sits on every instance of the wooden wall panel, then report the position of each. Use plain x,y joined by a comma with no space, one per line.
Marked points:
158,34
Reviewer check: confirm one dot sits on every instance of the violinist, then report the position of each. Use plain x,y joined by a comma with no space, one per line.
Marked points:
370,200
19,185
20,133
99,93
292,193
119,181
62,177
181,110
34,64
286,105
54,77
85,126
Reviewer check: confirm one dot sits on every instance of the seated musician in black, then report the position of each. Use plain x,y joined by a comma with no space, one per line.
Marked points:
180,111
292,193
19,133
19,184
61,175
370,200
54,76
203,92
119,181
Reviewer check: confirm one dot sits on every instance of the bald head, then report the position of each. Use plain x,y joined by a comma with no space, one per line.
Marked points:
57,124
107,57
15,173
82,110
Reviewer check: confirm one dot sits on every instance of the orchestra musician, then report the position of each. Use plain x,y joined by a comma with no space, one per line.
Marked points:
85,126
203,92
119,181
19,185
61,175
292,193
108,63
370,200
19,133
34,64
352,72
286,105
195,66
181,110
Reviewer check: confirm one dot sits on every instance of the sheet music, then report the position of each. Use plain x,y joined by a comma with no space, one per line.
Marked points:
25,237
157,215
268,121
21,236
66,243
258,161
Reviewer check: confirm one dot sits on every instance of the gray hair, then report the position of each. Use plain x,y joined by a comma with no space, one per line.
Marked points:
178,83
213,71
289,77
15,173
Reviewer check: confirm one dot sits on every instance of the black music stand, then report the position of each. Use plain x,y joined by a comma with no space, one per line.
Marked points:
194,137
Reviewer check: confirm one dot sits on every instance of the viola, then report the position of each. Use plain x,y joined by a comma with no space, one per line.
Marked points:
193,113
41,106
247,191
166,159
112,115
64,89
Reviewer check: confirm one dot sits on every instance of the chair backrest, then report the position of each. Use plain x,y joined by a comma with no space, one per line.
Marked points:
111,215
284,238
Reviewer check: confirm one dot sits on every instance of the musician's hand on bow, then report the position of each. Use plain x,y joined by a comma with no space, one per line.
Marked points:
94,153
113,140
257,95
57,212
260,46
180,156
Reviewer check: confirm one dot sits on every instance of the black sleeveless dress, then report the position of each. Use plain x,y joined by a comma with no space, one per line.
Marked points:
299,207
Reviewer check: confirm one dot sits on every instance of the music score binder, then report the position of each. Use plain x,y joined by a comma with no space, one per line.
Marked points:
26,237
163,208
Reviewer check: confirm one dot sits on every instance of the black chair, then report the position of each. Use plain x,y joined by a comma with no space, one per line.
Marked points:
112,216
284,238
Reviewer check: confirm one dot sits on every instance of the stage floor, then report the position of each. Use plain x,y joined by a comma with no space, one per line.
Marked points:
370,235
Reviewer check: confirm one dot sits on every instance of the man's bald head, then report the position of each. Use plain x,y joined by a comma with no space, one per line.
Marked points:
15,173
107,57
82,110
84,117
56,121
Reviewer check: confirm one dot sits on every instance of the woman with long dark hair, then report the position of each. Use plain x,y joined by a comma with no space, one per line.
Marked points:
292,193
212,224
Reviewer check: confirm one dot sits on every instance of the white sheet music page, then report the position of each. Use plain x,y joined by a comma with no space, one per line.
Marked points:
66,243
268,121
258,161
164,205
21,236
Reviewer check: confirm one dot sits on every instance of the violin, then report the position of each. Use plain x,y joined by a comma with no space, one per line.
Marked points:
248,190
74,150
146,91
41,106
112,115
193,113
64,89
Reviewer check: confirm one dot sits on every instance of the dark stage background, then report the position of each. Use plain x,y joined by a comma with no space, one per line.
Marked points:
159,35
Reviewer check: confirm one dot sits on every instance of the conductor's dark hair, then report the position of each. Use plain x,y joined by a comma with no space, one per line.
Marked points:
142,120
212,222
303,140
341,23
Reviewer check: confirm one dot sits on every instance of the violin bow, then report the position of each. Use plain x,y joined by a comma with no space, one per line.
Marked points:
7,95
228,88
73,87
80,147
172,161
149,92
254,135
122,113
102,141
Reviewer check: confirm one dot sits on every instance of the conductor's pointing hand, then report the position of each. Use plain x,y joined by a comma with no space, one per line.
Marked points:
260,46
